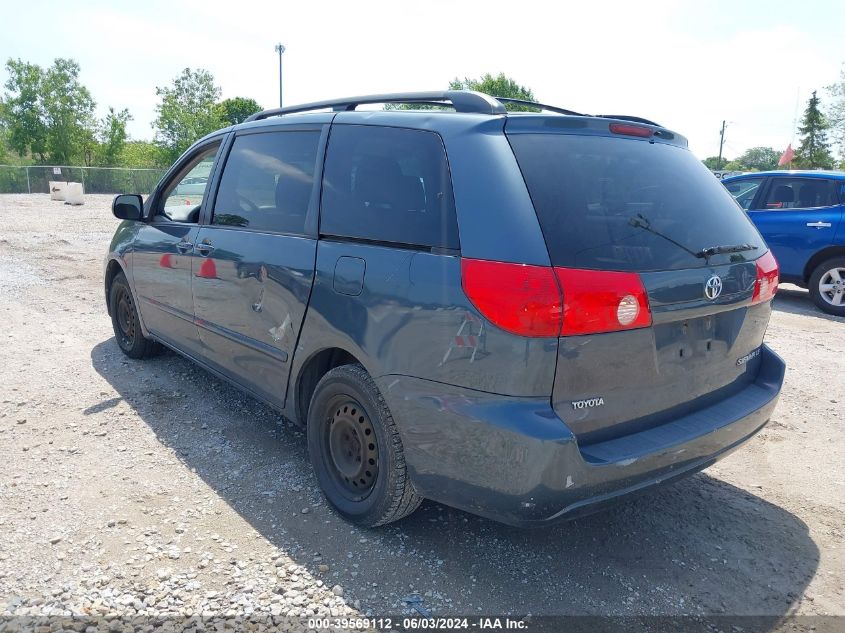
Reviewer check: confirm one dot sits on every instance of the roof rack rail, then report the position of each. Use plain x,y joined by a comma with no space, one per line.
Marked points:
540,106
550,108
461,100
625,117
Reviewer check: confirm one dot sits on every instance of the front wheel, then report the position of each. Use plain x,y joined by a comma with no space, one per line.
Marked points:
125,322
356,450
827,286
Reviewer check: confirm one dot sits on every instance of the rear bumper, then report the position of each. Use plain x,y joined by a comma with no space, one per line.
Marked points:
513,459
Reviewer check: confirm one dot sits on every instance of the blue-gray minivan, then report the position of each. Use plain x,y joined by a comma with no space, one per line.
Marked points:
524,315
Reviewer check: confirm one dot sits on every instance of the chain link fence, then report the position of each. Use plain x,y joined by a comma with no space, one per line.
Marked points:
36,178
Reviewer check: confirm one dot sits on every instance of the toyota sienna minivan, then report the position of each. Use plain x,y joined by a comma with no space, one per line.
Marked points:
522,315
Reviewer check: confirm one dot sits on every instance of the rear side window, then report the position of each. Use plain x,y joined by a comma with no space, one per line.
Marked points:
799,193
608,203
267,181
388,185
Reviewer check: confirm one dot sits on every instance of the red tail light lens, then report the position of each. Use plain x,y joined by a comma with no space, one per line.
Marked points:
767,278
526,300
631,130
602,301
518,298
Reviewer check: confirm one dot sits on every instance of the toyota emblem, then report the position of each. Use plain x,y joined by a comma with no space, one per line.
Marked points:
713,287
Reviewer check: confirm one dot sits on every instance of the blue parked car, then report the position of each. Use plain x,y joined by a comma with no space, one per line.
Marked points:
522,315
799,214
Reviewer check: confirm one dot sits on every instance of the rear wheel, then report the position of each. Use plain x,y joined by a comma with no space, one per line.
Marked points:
356,450
827,286
125,322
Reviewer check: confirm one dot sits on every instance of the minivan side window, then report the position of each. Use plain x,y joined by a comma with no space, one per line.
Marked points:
182,197
799,193
267,181
388,185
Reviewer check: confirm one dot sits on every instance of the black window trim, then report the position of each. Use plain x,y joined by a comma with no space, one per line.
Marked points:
424,248
311,221
443,250
179,170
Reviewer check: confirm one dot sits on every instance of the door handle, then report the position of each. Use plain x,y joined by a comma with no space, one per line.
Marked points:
204,248
184,247
820,225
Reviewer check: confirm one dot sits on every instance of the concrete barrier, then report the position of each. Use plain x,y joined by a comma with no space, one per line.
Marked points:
58,190
75,194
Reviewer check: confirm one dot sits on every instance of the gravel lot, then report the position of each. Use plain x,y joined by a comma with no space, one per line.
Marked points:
152,488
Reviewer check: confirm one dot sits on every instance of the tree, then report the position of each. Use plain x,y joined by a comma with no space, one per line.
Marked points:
836,112
141,154
499,86
68,111
111,133
4,134
814,150
760,158
22,109
48,112
187,112
712,162
237,109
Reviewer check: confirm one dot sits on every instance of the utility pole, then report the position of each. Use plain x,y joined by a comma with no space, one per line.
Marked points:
280,49
721,139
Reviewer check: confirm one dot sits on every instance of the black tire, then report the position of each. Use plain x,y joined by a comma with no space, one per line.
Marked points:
826,273
125,322
356,450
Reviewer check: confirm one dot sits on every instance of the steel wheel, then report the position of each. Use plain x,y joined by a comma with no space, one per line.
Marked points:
126,324
832,286
352,446
356,450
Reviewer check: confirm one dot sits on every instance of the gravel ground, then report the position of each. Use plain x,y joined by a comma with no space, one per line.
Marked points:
151,488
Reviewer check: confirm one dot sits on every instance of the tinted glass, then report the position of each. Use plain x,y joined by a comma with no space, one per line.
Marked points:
799,193
608,203
267,181
183,195
388,185
744,191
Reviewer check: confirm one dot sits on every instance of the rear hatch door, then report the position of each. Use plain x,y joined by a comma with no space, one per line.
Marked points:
644,206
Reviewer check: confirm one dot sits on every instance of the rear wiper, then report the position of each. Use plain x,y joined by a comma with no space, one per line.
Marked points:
708,252
641,222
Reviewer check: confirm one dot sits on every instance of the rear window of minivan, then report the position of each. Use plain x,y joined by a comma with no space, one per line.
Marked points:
610,203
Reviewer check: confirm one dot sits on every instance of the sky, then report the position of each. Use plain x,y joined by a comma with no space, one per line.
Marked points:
688,65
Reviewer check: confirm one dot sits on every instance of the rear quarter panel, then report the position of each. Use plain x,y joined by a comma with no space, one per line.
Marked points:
412,318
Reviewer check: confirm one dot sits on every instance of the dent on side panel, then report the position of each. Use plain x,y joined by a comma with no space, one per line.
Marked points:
482,452
412,318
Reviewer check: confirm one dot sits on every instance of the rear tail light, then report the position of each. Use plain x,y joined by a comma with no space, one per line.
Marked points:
526,300
602,301
518,298
767,278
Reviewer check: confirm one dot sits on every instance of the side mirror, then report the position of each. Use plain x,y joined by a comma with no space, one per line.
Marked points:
128,206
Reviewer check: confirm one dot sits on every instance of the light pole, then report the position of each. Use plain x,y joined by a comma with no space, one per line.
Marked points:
280,49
